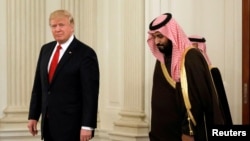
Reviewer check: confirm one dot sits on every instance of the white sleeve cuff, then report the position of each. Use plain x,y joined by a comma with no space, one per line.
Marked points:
87,128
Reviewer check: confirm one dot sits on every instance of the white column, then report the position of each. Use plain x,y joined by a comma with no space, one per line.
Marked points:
84,13
131,125
24,35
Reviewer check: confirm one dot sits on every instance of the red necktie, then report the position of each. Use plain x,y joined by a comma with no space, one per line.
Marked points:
54,62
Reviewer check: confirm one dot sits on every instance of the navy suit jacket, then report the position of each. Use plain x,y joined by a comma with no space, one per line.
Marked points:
71,99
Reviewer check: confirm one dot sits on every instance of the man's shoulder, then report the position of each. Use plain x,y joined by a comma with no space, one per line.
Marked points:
193,56
52,43
79,43
192,52
81,46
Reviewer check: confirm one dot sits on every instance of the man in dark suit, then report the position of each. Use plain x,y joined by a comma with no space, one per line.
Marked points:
67,99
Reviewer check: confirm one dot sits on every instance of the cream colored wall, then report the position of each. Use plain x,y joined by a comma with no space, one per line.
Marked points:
117,30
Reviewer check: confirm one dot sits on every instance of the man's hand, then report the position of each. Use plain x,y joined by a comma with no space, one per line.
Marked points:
85,135
187,138
32,125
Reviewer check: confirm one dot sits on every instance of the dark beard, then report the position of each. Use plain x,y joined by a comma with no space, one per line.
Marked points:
167,49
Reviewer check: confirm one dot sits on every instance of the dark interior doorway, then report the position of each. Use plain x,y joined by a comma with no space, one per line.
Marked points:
245,61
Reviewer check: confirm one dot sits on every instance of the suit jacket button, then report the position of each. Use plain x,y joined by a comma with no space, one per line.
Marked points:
49,93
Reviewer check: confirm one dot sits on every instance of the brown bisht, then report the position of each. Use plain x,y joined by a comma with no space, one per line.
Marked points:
219,109
172,116
221,95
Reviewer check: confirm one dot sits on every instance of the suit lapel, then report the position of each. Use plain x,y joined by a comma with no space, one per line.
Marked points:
46,57
66,56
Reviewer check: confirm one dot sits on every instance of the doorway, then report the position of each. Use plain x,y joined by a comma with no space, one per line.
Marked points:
245,61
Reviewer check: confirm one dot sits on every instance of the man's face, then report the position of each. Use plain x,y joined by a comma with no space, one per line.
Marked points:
160,40
61,29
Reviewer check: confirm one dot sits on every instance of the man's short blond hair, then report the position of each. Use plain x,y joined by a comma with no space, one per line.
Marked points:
62,14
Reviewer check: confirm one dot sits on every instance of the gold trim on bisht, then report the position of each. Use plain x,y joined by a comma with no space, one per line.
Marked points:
167,76
184,86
